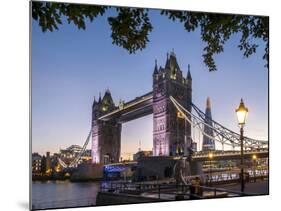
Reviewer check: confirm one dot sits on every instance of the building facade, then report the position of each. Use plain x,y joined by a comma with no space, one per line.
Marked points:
72,152
36,163
142,153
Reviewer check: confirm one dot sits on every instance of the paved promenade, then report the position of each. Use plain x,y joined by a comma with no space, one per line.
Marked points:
259,187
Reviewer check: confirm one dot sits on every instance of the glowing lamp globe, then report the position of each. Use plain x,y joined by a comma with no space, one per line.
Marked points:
242,112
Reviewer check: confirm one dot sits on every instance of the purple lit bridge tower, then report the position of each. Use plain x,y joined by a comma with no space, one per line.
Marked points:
171,133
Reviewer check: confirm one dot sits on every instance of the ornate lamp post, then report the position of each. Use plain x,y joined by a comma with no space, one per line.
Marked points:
242,112
254,160
210,156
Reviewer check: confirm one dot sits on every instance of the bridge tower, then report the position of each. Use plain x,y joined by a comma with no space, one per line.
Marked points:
171,133
106,135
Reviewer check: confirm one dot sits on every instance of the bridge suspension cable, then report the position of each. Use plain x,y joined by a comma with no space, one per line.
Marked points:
221,133
193,121
227,132
78,157
63,164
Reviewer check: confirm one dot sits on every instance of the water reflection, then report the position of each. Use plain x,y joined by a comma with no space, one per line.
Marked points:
51,194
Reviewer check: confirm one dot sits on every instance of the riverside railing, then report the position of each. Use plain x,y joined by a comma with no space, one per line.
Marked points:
179,191
234,177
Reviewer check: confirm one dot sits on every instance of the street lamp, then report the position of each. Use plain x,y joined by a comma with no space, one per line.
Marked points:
242,112
254,159
210,155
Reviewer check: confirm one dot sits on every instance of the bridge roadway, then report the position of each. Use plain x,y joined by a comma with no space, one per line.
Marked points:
139,107
217,155
229,155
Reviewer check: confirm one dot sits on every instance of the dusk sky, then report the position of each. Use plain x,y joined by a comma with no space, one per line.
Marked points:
71,66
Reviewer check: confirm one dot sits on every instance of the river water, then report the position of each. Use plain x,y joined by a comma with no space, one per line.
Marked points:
58,194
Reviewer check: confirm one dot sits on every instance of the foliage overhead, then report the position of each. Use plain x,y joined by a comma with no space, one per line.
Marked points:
216,29
130,27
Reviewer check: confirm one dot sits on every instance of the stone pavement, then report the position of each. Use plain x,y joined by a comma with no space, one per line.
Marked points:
259,187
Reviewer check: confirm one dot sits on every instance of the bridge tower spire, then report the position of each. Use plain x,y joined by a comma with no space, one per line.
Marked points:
155,72
99,97
188,77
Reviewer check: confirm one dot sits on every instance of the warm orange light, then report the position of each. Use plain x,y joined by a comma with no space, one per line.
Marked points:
210,155
49,171
241,112
254,157
180,115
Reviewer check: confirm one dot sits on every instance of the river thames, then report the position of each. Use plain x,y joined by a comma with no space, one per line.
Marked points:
50,194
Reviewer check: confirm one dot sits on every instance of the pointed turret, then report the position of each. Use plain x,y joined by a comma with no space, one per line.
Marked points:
161,69
155,72
167,61
208,103
95,102
107,91
107,96
107,102
171,62
188,73
99,97
95,109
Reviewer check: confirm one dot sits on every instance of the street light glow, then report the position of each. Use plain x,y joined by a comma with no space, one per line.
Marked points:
242,112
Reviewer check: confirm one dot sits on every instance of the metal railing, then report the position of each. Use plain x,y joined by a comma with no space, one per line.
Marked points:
159,190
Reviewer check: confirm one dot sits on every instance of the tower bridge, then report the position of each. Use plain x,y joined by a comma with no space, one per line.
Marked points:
170,102
169,132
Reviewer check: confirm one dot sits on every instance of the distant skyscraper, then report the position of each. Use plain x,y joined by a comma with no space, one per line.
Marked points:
48,161
208,143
